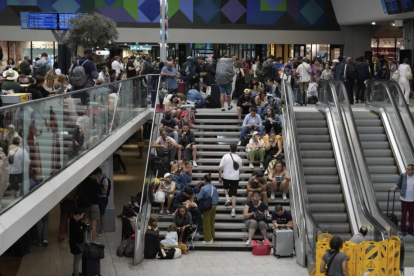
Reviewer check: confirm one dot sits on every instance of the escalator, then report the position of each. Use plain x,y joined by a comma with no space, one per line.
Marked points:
321,175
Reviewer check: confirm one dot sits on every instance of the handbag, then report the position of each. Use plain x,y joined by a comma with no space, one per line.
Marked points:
396,75
236,165
206,204
259,217
92,250
159,197
409,74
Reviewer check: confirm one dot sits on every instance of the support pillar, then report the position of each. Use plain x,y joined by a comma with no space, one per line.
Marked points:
357,40
110,214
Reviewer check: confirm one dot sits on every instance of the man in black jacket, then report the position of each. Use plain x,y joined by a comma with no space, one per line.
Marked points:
339,69
244,103
181,198
187,143
351,74
363,75
76,237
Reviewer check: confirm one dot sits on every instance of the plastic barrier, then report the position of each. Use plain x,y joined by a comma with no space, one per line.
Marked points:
365,259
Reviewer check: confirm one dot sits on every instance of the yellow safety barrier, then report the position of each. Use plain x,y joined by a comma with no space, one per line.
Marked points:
365,259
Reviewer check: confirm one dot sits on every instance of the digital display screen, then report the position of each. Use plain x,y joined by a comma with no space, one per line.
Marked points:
24,20
384,6
43,21
406,5
392,6
64,18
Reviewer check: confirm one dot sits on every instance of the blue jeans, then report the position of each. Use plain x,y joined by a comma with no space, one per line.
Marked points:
201,104
226,89
43,228
262,111
247,130
182,180
173,134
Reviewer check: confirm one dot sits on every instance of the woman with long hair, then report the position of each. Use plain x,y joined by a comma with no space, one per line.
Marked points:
339,265
272,121
316,70
280,180
405,76
60,85
10,63
256,149
273,148
262,103
209,216
174,106
49,80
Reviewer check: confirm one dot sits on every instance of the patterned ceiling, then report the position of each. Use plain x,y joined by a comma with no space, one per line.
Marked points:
230,14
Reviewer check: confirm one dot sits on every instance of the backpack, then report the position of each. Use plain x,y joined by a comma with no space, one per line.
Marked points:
190,68
259,69
41,71
78,76
109,186
224,71
187,116
78,136
148,68
211,102
267,72
352,71
275,103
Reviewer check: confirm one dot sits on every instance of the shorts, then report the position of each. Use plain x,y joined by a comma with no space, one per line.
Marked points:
226,89
103,202
231,185
92,212
245,109
15,181
253,224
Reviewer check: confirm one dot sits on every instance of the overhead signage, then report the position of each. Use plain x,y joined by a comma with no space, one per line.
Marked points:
45,21
140,47
406,5
392,6
103,53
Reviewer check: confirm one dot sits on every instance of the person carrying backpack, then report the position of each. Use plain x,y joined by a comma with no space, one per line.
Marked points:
42,66
83,75
190,75
103,198
351,74
266,69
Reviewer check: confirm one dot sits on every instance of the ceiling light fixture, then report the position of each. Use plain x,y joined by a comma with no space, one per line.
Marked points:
393,24
373,23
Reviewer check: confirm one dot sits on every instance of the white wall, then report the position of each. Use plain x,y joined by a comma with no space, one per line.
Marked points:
357,40
14,33
351,12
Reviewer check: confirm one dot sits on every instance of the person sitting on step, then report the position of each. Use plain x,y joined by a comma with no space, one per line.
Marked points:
252,122
187,143
255,214
257,184
170,126
183,220
186,198
165,146
244,104
168,187
256,150
194,97
280,180
273,148
182,172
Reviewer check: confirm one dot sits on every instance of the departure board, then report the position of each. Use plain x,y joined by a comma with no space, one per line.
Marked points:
392,6
406,5
64,18
24,20
43,21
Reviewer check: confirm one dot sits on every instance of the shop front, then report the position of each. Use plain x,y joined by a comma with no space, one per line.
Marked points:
387,47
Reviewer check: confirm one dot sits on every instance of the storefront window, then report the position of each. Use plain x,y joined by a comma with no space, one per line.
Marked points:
40,47
322,51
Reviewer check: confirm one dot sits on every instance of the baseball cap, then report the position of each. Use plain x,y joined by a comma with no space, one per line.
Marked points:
167,175
256,132
88,51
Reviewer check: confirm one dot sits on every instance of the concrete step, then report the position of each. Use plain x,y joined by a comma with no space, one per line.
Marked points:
225,148
216,133
216,168
216,121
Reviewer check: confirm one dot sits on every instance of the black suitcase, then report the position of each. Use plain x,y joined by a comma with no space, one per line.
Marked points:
215,93
22,246
301,97
91,266
151,244
392,216
163,165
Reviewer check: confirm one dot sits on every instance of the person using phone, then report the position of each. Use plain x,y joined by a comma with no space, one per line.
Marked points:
255,214
76,237
280,180
257,184
252,122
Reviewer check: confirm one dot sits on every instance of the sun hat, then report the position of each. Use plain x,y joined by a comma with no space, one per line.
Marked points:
10,74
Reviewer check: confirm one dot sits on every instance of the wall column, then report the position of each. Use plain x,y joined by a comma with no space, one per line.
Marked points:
110,215
357,40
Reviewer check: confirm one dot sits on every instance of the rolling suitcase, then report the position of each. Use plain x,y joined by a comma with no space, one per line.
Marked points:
151,244
283,242
181,88
301,97
91,266
392,216
260,248
215,92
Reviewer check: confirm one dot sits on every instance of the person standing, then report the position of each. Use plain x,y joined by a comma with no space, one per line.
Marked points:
18,159
170,75
338,261
103,198
225,80
117,66
405,185
377,68
209,216
76,236
90,71
404,81
363,75
304,70
351,74
229,168
131,70
42,66
339,69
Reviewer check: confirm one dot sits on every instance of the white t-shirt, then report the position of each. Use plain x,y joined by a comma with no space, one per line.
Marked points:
403,69
117,67
21,160
409,194
104,182
227,164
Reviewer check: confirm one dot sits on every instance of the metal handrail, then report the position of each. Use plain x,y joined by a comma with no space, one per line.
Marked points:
352,149
311,228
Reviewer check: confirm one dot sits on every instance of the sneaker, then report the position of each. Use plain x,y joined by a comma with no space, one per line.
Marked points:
239,143
195,164
272,251
207,242
100,235
223,109
168,213
266,172
295,104
230,107
261,165
248,242
45,243
228,202
239,124
251,166
284,197
162,213
272,196
233,213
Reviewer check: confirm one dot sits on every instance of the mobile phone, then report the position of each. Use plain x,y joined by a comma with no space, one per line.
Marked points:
278,178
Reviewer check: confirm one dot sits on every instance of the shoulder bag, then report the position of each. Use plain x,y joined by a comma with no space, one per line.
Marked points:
409,74
235,164
330,262
206,204
396,75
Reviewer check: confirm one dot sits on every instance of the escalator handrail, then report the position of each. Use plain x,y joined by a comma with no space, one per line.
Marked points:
302,191
397,110
348,147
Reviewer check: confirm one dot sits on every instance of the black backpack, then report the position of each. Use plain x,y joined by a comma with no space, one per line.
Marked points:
352,71
39,71
267,72
149,69
109,186
78,136
211,102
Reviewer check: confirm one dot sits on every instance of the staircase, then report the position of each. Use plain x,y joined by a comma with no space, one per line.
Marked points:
216,130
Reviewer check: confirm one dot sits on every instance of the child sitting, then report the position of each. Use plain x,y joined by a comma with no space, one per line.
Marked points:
171,238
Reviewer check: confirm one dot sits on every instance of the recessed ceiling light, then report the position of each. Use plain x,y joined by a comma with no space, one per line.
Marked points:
373,23
393,24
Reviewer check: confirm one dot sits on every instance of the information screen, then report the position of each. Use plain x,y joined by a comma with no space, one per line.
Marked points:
64,18
406,5
392,6
24,20
384,6
43,21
